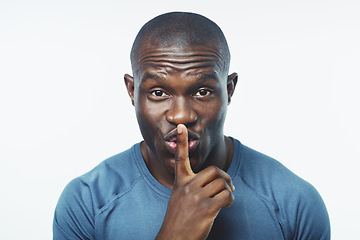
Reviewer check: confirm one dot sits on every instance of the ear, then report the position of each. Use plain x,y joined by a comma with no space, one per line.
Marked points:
231,84
129,82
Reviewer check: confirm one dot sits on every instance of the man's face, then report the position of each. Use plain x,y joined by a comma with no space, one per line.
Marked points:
180,85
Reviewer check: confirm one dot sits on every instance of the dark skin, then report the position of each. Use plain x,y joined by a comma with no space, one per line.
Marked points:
180,96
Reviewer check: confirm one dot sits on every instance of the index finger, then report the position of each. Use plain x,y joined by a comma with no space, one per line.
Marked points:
182,161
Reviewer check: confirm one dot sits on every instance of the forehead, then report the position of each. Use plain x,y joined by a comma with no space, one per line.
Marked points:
190,60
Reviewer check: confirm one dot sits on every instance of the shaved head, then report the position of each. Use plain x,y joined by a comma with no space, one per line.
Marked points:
180,64
181,30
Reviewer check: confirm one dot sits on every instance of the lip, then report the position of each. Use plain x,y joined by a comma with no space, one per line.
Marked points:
171,138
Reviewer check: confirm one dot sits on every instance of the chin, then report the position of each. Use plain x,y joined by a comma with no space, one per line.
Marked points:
171,166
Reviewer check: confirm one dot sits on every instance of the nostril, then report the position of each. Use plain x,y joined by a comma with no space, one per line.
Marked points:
184,116
193,116
181,111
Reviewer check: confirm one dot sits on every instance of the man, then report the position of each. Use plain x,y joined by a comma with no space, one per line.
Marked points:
179,183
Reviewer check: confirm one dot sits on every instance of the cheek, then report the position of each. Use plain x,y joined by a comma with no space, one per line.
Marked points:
150,118
213,114
142,114
149,112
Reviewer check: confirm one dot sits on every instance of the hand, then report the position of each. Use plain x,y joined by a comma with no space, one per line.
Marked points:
196,199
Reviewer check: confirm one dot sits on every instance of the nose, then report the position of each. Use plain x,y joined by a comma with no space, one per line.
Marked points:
181,112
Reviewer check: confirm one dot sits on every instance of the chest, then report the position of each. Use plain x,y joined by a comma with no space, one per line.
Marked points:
140,217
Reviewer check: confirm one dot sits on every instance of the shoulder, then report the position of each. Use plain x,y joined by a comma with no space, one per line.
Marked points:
266,176
85,196
299,205
111,177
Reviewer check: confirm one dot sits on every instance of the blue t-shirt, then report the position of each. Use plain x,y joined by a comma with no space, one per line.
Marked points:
120,199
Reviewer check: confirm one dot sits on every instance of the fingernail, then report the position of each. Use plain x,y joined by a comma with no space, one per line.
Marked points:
233,187
179,130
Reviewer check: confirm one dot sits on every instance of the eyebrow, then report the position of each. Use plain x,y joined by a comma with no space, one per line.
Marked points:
153,76
206,76
201,77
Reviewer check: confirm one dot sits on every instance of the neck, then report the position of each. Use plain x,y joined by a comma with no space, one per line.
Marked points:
222,156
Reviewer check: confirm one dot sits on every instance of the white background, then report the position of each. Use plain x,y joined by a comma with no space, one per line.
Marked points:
64,107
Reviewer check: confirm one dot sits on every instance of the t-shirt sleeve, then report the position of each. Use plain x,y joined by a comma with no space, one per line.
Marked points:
310,216
74,214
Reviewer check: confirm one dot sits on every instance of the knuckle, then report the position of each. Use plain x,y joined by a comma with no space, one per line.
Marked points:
227,194
213,170
224,199
195,198
229,183
222,183
187,190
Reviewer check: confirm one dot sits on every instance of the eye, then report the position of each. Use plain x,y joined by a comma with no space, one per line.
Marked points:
203,93
158,94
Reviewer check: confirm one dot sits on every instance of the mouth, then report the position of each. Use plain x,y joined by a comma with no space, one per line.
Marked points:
171,141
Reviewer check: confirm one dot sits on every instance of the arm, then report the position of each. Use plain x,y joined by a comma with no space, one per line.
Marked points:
73,218
313,219
196,199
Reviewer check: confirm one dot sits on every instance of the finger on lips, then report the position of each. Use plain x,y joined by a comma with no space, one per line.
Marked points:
182,162
183,167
